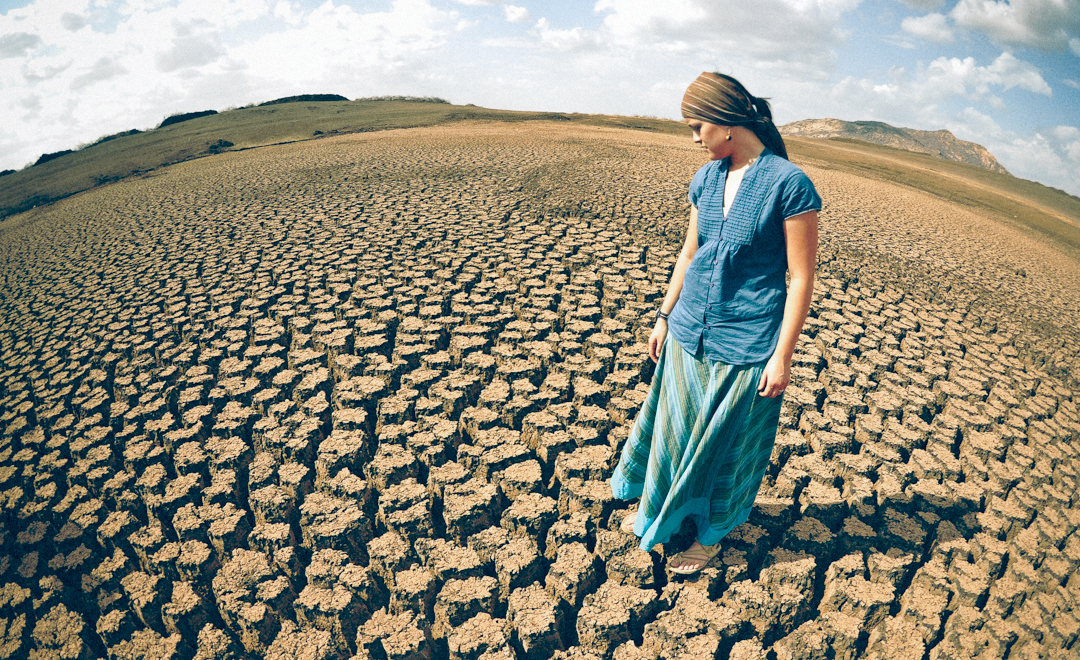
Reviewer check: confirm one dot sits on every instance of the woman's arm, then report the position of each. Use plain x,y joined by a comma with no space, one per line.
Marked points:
801,237
690,246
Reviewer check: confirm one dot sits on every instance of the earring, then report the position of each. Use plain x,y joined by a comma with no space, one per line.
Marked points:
729,134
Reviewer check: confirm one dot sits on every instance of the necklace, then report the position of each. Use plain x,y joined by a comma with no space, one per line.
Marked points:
747,165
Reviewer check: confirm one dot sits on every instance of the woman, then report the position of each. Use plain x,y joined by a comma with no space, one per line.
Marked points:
726,330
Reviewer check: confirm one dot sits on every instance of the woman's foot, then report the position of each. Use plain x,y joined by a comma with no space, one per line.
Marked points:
627,524
693,559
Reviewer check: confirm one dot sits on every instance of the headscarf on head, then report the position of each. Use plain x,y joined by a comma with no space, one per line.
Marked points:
719,99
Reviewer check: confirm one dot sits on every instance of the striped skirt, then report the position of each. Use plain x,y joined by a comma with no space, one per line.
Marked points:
698,449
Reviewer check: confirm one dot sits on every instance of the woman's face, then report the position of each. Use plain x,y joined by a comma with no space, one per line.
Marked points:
711,136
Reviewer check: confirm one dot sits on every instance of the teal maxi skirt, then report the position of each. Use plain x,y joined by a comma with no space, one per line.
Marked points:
698,448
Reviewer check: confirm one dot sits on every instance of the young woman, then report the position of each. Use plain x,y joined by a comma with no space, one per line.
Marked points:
726,330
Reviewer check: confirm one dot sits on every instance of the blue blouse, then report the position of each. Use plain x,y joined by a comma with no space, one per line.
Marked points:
733,294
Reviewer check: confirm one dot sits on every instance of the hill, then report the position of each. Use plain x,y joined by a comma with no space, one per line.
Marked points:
134,153
940,143
139,153
1052,212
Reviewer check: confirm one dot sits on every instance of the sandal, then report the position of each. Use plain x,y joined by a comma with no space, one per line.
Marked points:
701,556
627,524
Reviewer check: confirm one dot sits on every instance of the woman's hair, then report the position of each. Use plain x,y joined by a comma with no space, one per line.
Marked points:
718,98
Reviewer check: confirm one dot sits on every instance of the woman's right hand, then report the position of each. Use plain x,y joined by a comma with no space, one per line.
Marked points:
656,339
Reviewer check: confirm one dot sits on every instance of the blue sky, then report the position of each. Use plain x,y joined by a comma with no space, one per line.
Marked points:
1003,74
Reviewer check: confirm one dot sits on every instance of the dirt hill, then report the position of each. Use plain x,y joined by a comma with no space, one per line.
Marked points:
138,153
938,143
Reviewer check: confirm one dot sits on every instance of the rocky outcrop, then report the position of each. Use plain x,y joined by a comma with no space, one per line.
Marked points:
939,143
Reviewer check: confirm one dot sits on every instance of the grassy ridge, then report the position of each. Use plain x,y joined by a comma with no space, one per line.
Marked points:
1052,212
247,128
1047,210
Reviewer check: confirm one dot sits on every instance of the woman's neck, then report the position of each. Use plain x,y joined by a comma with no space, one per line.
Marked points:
746,158
748,148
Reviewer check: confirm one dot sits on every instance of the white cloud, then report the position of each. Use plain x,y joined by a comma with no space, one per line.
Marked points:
18,44
284,10
900,41
792,36
918,97
82,72
972,122
965,77
335,45
924,5
611,64
515,14
1048,25
31,102
932,27
193,44
41,69
563,40
1069,136
1071,83
104,69
73,22
1049,156
1074,46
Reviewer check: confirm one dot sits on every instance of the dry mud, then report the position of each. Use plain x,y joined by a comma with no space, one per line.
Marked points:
359,398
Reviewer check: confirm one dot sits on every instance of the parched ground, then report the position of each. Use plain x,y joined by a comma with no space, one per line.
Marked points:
360,398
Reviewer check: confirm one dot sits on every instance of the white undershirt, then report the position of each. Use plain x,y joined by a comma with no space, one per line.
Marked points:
731,186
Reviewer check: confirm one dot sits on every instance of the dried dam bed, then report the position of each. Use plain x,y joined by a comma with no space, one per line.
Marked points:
360,399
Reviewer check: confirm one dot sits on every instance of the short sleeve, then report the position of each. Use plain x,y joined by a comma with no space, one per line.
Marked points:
798,195
698,182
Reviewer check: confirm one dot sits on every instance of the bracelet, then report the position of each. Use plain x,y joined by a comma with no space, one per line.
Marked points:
661,315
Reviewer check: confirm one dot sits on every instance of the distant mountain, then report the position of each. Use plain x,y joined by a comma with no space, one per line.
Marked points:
936,143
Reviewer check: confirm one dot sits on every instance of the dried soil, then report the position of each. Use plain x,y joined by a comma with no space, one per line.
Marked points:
360,397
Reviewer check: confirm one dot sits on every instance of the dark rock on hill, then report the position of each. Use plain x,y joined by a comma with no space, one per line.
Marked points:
219,146
306,98
940,143
53,156
186,116
114,136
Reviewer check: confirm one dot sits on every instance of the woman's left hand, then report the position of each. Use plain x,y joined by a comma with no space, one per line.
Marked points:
775,378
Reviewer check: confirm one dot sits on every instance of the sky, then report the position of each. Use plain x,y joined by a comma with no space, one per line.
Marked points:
1003,74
